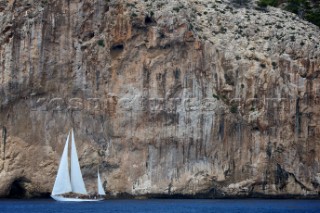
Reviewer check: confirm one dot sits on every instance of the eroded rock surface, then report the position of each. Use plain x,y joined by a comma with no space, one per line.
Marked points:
167,97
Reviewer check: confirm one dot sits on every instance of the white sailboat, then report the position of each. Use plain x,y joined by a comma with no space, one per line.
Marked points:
65,183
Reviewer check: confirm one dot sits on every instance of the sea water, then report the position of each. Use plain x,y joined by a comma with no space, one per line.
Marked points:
159,205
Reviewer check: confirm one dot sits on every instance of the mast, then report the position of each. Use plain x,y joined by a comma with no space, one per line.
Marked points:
62,183
76,176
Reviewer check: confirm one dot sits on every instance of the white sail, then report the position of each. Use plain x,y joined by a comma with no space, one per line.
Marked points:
76,176
100,187
62,183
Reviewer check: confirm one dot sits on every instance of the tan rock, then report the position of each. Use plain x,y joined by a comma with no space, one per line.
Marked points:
150,88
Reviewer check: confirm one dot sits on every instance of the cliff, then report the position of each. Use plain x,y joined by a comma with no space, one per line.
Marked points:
167,97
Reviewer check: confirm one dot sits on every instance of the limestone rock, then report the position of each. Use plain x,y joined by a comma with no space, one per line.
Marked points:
166,97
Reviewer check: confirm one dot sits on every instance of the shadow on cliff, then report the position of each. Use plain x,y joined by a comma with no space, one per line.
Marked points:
19,190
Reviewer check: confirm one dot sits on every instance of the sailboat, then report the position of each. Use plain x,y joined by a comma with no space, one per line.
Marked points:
66,183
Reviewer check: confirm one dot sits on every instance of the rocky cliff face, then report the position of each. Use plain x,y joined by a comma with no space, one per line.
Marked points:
166,97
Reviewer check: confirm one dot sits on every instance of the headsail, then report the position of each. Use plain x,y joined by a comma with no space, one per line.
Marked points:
62,184
100,187
76,176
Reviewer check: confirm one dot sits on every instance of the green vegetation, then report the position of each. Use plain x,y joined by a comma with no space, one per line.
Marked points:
134,15
131,5
177,9
241,2
274,65
221,97
101,43
263,65
224,98
216,96
223,30
314,16
306,9
190,26
234,108
265,3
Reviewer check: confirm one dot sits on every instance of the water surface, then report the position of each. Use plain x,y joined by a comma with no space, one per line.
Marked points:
161,206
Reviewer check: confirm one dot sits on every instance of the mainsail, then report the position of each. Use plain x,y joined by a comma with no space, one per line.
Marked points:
62,184
100,187
76,176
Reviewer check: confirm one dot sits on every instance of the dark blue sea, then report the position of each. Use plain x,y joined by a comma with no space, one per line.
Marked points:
163,206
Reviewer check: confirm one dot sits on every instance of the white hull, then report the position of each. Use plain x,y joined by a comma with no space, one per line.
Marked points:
60,198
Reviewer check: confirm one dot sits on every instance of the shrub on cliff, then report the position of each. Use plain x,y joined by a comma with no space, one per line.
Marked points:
265,3
306,9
